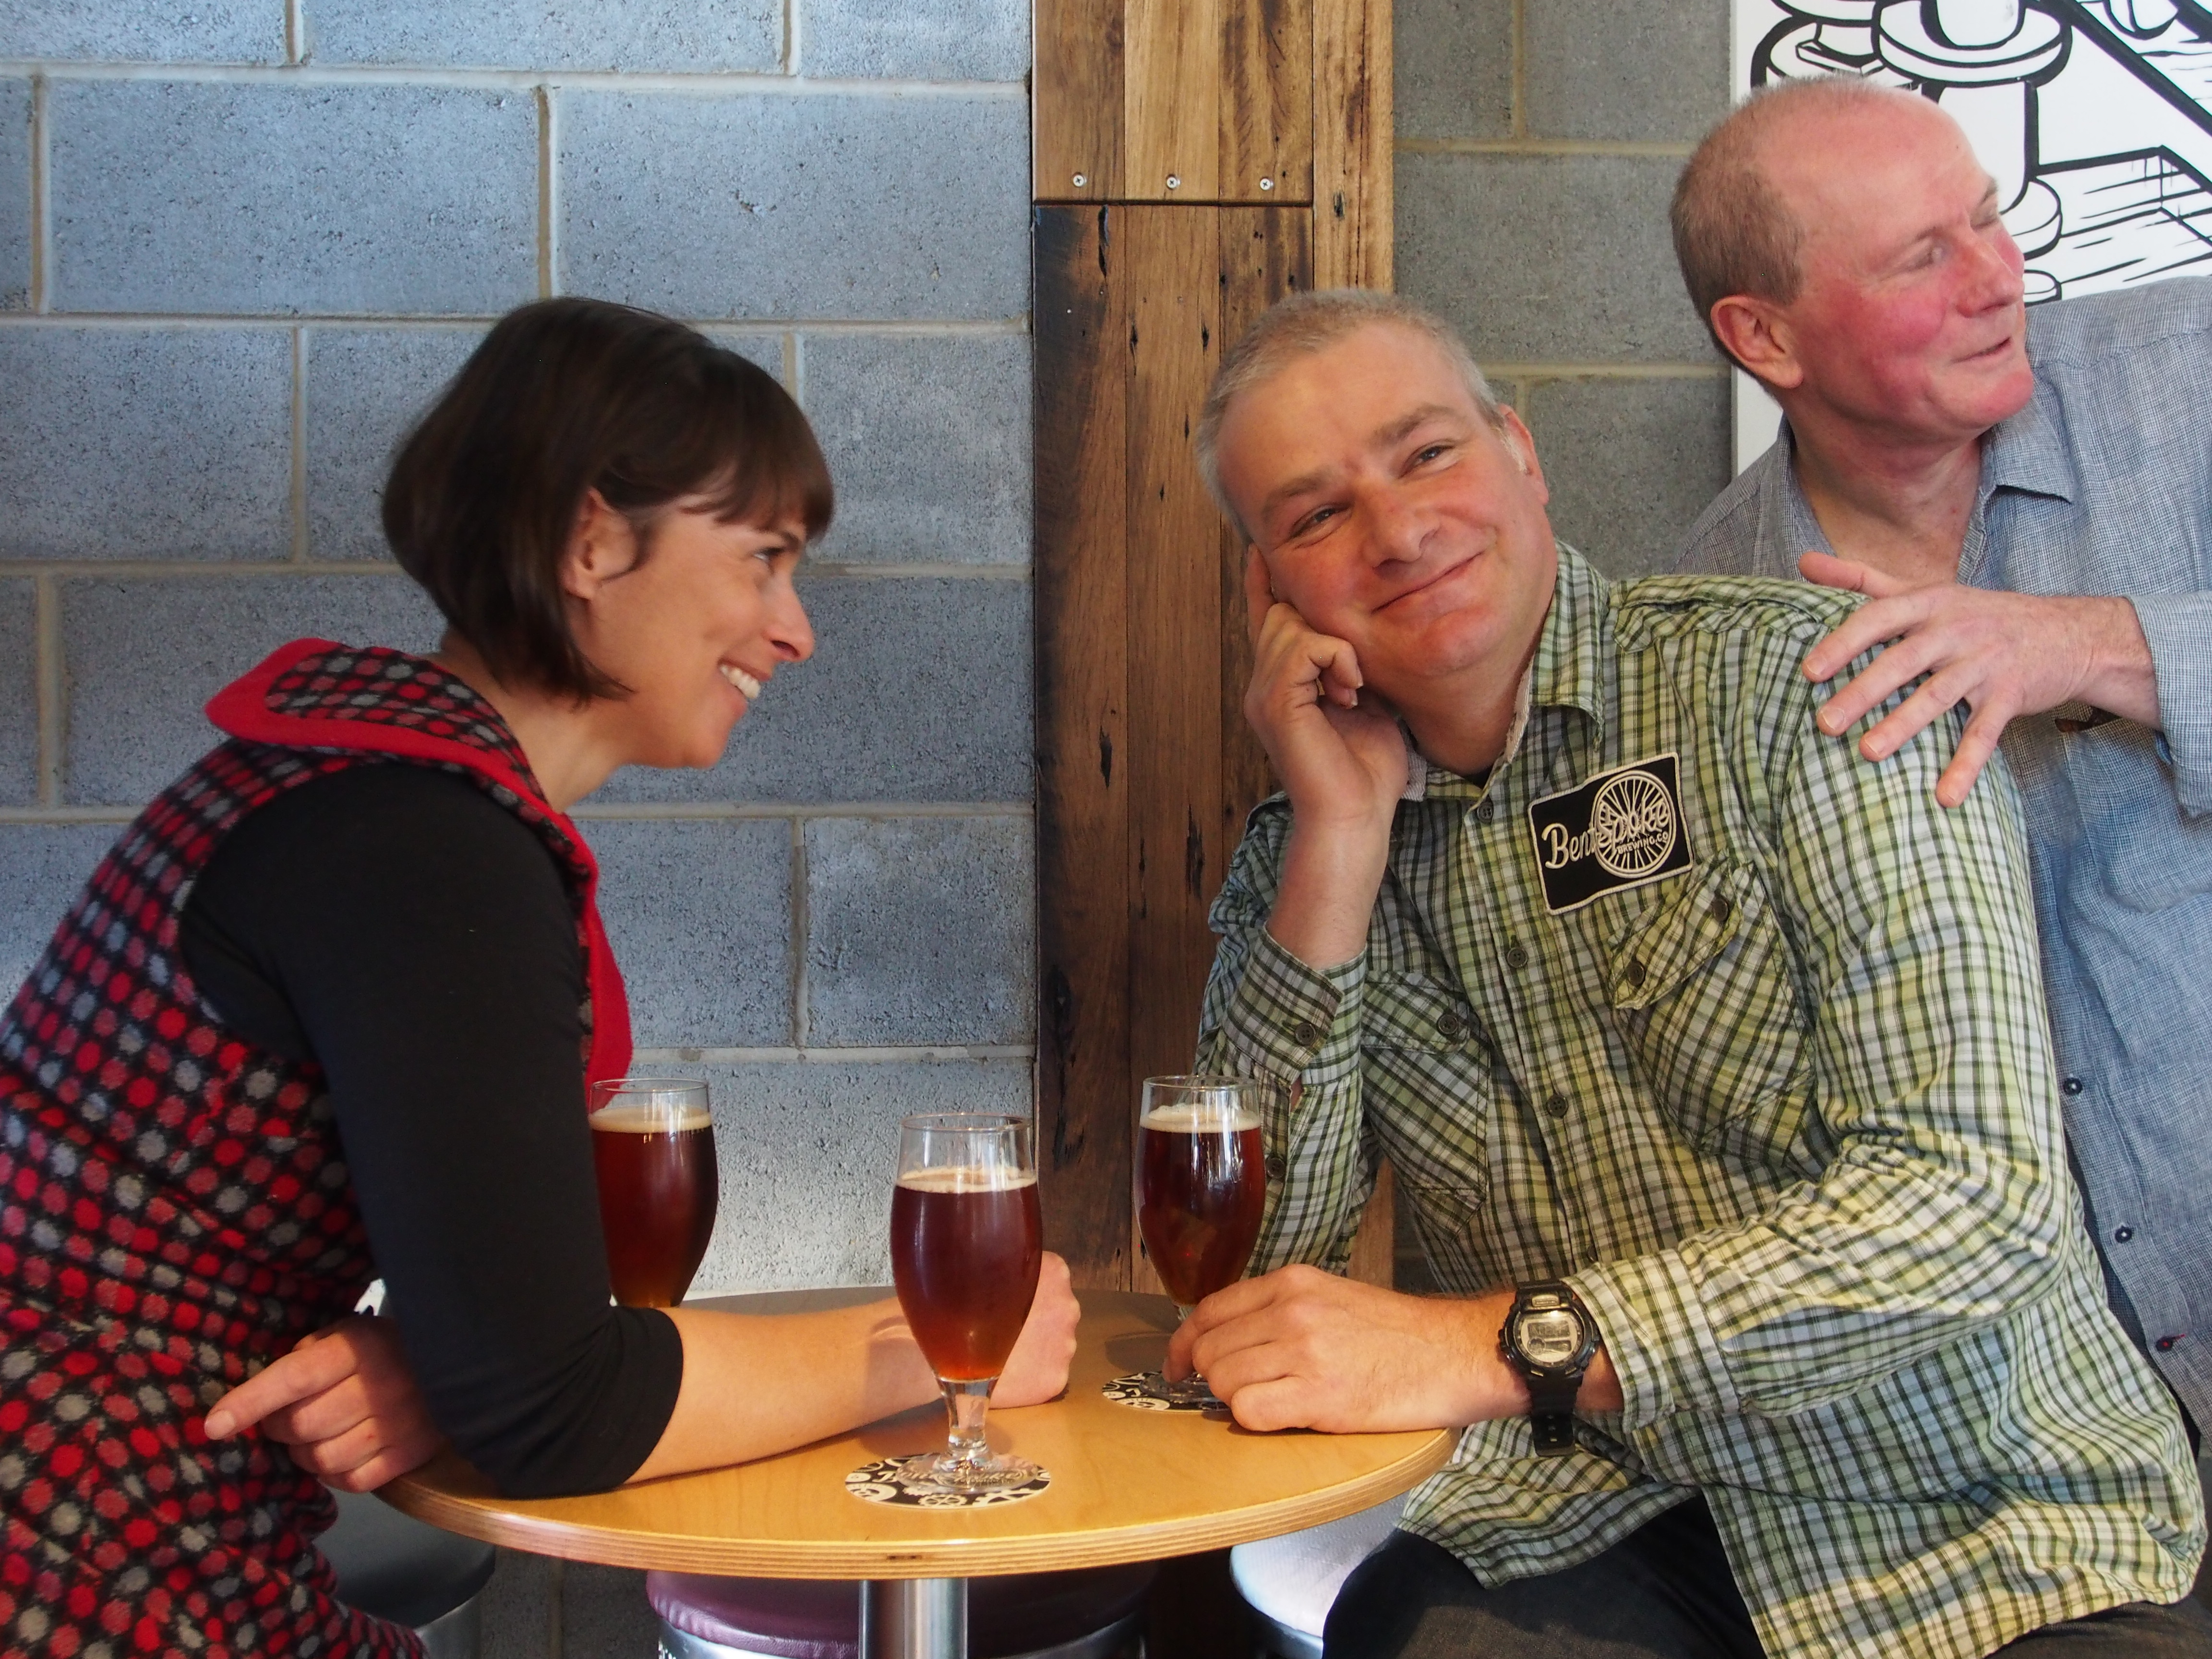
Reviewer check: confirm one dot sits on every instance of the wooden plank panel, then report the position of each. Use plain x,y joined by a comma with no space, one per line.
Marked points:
1352,161
1083,772
1171,99
1077,100
1266,101
1172,268
1266,252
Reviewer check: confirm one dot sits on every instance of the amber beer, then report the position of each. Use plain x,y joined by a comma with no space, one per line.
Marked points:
1201,1190
653,1148
966,1244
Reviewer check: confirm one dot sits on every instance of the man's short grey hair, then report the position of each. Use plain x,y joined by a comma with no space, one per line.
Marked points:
1300,325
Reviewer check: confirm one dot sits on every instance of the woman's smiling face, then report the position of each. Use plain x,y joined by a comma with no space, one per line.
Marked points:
695,621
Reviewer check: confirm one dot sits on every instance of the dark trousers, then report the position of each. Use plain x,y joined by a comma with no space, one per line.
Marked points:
1664,1592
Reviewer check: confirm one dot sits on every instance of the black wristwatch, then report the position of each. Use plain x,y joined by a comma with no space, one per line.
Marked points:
1550,1338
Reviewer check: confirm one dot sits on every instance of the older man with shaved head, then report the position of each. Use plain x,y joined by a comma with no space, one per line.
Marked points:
2027,495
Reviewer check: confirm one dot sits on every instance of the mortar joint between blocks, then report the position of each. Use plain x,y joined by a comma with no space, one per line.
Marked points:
41,196
800,924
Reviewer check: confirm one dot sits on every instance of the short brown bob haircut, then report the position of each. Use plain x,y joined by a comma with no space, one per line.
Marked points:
563,397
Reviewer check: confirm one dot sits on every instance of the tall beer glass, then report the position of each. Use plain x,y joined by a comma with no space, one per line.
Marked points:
653,1143
1201,1187
966,1244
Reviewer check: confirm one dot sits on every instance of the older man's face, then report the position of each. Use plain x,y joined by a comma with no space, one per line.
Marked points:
1912,317
1391,514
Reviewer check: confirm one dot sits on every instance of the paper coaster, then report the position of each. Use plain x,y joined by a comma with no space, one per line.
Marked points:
1147,1391
887,1481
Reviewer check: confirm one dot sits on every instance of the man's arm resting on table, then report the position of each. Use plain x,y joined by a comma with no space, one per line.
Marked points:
1301,1348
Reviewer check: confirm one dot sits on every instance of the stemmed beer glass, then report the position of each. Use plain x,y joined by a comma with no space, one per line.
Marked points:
1201,1187
967,1241
653,1147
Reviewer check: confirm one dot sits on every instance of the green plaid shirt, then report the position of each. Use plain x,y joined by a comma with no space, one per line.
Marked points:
1785,1118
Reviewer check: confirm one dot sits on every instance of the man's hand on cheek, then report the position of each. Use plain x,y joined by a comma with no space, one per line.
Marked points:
1301,1348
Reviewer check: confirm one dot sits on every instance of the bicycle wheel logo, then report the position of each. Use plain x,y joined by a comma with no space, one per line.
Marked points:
1632,825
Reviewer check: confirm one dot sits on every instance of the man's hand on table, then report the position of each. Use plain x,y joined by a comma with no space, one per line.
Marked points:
2003,654
1037,1368
343,1401
1301,1348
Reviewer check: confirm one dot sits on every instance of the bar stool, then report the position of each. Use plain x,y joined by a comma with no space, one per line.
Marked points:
1289,1584
1095,1612
393,1567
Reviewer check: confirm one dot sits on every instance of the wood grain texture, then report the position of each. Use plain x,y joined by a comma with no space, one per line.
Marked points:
1127,1485
1353,129
1172,97
1266,101
1077,100
1172,272
1082,752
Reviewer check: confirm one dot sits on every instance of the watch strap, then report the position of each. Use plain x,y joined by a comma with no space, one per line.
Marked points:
1551,1415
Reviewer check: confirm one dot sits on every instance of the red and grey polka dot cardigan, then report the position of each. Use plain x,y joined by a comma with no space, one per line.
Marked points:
174,1212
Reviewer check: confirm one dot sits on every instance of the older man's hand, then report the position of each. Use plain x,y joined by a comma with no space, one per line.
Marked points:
2002,655
343,1401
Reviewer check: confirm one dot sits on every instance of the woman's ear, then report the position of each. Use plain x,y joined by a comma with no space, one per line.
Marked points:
601,546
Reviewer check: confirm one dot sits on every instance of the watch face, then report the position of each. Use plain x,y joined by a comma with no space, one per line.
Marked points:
1548,1336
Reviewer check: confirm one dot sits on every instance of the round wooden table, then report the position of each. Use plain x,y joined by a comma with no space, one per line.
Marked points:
1127,1485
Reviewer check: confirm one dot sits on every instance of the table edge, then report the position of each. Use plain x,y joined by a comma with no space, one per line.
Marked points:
968,1558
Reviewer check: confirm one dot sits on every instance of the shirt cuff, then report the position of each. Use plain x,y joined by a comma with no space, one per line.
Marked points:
2177,627
1652,1320
1290,1019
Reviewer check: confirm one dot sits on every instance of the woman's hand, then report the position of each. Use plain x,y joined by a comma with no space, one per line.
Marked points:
343,1401
1037,1368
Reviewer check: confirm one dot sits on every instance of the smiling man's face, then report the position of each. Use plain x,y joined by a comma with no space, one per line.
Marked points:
1911,316
1391,514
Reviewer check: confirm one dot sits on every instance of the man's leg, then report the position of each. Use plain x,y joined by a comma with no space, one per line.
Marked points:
2139,1630
1664,1592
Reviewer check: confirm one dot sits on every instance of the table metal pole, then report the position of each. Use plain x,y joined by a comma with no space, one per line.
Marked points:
913,1619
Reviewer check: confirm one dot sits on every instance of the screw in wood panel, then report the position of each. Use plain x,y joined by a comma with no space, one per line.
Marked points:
1081,180
1174,183
1266,183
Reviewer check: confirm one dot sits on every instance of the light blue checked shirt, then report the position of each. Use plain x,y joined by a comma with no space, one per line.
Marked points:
2102,485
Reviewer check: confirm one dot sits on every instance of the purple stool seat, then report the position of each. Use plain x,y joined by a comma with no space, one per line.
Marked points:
820,1619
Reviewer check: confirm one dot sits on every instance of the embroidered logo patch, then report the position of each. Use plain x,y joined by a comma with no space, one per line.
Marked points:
1621,828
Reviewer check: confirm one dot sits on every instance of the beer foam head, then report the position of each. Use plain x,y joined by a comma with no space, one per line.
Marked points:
1192,1117
967,1178
642,1117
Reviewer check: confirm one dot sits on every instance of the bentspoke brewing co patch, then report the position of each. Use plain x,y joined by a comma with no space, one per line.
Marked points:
1622,828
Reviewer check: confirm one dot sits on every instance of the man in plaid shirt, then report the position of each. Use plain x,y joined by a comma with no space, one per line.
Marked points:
1713,1063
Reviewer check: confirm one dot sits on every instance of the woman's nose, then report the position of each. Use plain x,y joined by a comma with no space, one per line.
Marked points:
789,630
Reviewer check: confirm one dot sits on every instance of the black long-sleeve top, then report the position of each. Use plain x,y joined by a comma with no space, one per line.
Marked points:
395,925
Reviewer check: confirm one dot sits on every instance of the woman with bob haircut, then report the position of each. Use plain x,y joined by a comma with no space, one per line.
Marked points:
326,1013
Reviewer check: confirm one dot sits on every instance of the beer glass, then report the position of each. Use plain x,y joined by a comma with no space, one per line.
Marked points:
966,1244
1201,1187
652,1145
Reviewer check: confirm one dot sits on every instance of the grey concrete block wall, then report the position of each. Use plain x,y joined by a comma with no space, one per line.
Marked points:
19,694
139,658
145,442
945,39
699,37
242,286
920,930
1637,462
229,198
834,205
919,690
144,31
1537,145
14,193
929,442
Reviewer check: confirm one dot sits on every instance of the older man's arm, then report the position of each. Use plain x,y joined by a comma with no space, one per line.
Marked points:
2005,655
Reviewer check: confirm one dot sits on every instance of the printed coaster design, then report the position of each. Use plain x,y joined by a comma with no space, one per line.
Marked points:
1147,1391
887,1480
